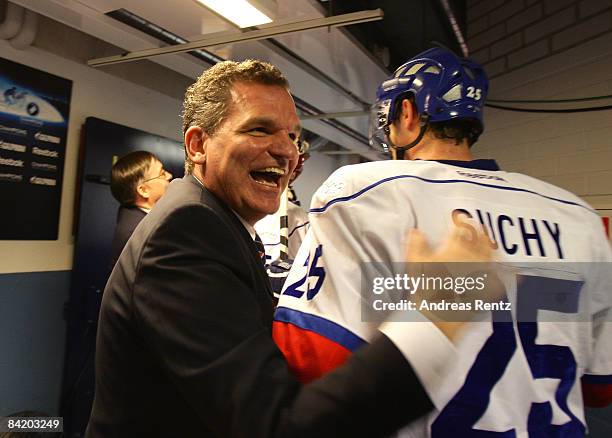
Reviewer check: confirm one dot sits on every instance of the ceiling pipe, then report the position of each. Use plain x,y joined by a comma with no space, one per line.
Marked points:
27,34
455,27
13,20
146,26
297,60
263,32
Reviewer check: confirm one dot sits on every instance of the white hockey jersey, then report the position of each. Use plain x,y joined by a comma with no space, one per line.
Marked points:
268,229
512,379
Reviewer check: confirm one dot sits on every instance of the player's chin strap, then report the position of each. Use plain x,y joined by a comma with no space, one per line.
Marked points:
401,150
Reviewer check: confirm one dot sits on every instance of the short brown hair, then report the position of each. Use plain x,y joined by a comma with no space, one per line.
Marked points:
457,130
127,173
206,100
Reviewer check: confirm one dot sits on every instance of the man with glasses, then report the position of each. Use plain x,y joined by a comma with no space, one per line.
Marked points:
138,181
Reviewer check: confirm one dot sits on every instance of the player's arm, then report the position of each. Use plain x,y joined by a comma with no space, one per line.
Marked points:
312,343
309,326
309,353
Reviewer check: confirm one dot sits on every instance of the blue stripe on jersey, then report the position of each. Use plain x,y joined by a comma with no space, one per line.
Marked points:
321,326
439,181
298,227
597,380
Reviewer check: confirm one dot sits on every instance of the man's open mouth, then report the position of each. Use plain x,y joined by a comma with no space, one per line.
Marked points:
269,176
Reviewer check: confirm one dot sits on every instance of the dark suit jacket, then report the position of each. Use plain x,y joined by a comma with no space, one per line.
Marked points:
127,219
184,344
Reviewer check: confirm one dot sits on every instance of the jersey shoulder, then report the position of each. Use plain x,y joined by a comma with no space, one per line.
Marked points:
355,180
547,189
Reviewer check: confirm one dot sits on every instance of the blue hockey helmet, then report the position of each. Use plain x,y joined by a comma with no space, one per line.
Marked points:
443,87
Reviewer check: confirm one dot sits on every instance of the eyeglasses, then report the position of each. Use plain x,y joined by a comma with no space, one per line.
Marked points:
164,174
302,145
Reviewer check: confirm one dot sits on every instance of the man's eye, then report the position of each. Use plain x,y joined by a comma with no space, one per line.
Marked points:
258,132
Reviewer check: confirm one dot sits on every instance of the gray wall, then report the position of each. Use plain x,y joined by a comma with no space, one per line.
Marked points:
548,49
32,338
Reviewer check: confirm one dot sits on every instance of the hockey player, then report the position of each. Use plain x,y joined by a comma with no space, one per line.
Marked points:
518,373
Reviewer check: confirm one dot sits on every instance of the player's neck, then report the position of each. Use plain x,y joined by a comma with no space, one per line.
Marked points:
440,150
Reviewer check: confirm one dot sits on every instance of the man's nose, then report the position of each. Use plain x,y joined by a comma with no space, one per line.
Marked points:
283,146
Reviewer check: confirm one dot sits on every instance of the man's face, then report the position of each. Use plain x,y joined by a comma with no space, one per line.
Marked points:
251,156
156,181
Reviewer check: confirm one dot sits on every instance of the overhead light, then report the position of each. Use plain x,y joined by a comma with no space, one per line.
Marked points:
243,13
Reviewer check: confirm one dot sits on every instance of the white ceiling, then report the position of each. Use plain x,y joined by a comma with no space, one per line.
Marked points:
330,51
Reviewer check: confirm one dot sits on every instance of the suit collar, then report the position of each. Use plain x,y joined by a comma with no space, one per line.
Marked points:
245,240
130,211
248,227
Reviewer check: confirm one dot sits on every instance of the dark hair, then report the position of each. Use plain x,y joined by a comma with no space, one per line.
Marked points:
457,130
207,100
127,173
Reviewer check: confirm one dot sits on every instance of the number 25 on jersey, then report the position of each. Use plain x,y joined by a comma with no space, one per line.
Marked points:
313,279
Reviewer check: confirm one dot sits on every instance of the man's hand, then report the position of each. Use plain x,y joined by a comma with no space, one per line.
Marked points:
458,247
457,256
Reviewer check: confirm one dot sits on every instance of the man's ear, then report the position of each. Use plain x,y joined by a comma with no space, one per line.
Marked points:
195,144
143,191
409,117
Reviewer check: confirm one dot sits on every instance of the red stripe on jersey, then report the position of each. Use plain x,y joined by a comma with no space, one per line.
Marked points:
596,396
308,354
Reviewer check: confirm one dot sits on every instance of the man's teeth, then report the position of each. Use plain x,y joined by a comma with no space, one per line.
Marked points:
275,170
268,176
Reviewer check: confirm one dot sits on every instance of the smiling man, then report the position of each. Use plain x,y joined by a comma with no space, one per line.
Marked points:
249,159
184,344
